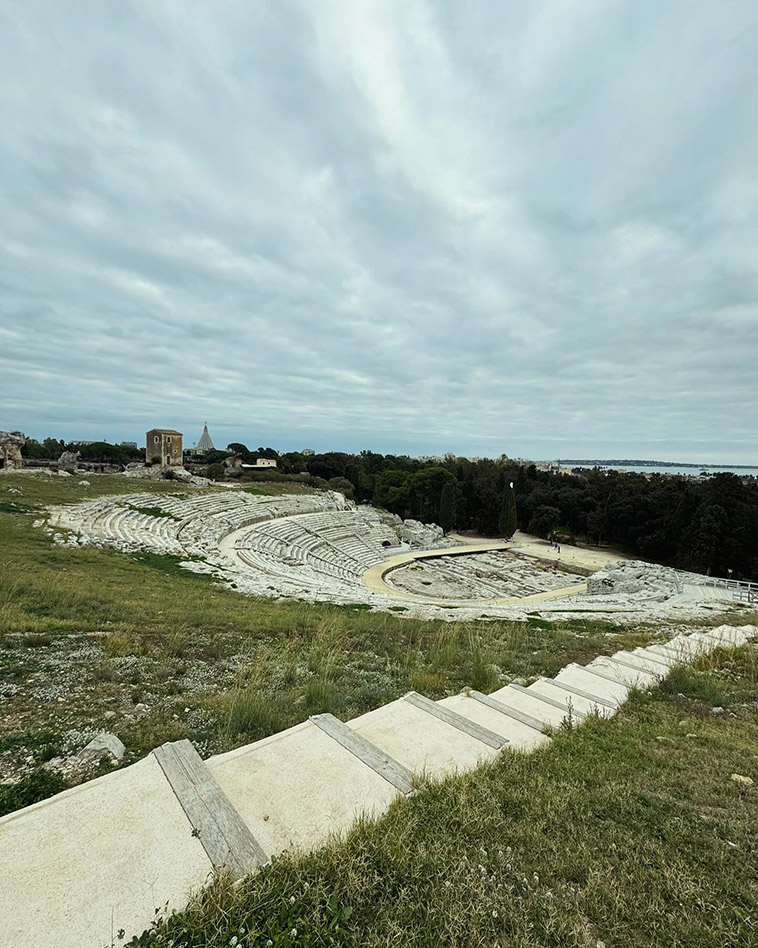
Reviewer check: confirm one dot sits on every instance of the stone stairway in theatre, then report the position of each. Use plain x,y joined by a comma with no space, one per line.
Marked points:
102,857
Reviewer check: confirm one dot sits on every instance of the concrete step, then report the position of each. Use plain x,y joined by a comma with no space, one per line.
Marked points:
534,705
421,741
295,788
624,672
97,858
534,724
486,715
579,700
662,659
635,660
730,636
593,681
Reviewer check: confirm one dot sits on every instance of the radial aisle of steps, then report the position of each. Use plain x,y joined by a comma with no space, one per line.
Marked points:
102,857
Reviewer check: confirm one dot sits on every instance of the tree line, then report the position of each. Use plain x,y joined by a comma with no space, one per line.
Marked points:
708,525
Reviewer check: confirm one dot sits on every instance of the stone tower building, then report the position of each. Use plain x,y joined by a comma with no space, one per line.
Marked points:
11,443
164,446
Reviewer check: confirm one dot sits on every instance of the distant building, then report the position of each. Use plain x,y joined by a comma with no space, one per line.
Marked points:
164,446
11,443
261,462
307,452
128,444
205,444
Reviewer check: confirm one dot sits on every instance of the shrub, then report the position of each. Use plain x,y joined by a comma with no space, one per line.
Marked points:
39,785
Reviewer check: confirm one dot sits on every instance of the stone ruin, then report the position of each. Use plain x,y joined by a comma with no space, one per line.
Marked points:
69,461
11,443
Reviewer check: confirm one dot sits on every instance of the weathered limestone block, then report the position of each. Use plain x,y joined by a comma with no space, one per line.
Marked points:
68,461
11,443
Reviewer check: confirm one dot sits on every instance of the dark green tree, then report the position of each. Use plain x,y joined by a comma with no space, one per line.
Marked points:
507,521
544,520
448,505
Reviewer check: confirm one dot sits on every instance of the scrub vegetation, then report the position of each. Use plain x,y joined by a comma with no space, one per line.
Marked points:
623,832
631,831
93,639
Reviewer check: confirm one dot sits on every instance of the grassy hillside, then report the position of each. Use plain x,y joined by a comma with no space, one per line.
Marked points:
624,832
131,643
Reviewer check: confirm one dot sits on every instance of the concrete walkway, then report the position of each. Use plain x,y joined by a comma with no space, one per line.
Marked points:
111,855
583,557
374,576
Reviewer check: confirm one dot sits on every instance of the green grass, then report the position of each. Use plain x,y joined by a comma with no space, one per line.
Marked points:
132,643
87,631
625,832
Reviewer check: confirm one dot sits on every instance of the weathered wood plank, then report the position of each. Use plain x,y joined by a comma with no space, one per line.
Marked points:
513,713
561,705
225,837
581,694
368,753
626,663
598,674
456,720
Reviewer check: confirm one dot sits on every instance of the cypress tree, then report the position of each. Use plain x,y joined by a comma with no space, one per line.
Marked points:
447,506
507,521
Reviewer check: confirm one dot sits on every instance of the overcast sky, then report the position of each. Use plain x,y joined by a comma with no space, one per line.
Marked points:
524,227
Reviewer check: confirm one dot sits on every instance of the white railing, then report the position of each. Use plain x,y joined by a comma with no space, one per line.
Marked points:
742,591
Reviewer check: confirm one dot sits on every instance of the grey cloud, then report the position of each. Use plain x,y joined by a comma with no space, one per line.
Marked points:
405,226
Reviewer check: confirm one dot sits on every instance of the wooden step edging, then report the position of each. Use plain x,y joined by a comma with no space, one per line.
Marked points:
597,674
521,716
368,753
613,705
224,835
654,657
626,663
561,705
456,720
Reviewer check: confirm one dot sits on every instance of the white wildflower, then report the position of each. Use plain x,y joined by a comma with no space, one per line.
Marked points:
292,900
494,913
293,933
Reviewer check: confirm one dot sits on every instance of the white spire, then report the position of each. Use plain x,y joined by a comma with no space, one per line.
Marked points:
205,444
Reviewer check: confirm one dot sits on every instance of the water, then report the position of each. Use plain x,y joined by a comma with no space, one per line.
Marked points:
669,469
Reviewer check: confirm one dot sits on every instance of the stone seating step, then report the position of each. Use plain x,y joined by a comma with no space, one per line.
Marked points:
517,734
625,672
633,660
419,740
662,660
529,703
553,700
295,788
95,859
593,681
579,699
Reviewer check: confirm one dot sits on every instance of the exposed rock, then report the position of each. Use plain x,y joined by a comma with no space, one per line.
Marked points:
103,744
745,781
68,461
11,443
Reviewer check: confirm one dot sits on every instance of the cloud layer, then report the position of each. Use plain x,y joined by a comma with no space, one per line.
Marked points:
411,226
